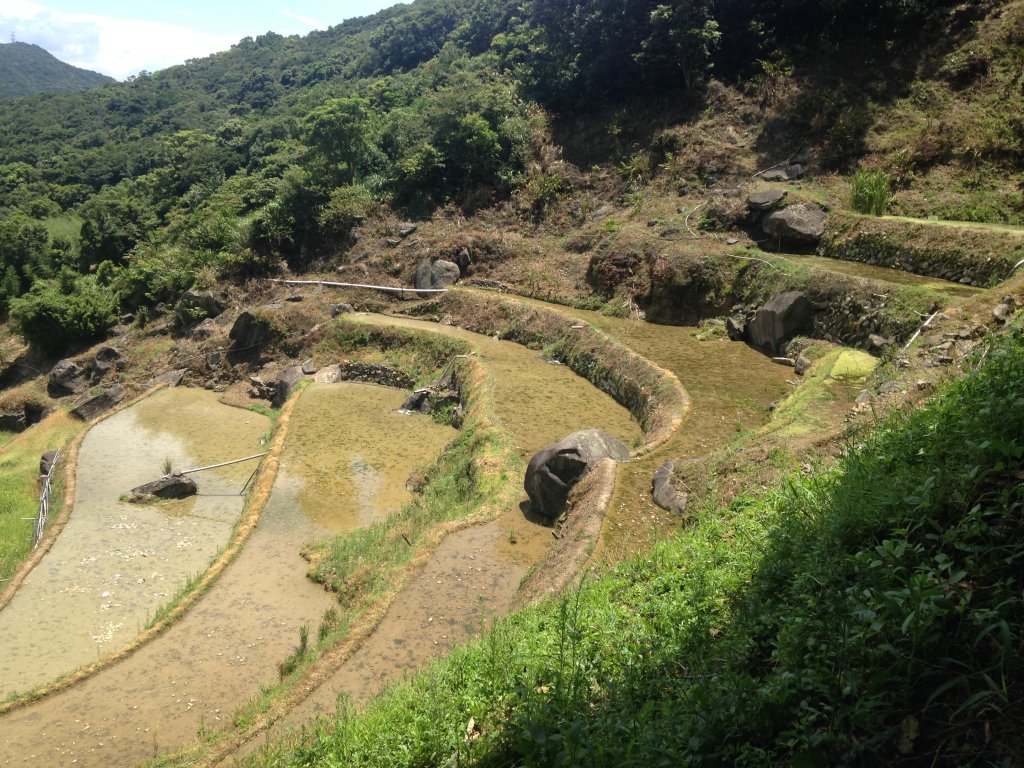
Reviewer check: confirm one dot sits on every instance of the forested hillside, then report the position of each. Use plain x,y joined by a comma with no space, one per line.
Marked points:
273,151
26,69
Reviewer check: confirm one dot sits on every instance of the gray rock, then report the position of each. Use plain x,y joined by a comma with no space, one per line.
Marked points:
793,172
214,359
197,305
415,402
736,328
406,229
169,487
309,367
775,174
13,422
878,342
437,274
172,378
107,359
765,201
802,365
787,361
663,489
46,462
102,402
253,330
463,260
554,470
781,318
1003,312
797,225
284,384
341,309
67,378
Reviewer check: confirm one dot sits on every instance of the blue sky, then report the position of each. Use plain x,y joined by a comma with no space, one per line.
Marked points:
123,37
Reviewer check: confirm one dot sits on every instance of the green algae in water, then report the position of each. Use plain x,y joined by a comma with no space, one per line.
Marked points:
353,452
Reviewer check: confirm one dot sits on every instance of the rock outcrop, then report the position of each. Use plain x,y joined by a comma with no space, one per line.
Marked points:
68,378
554,470
197,305
781,318
94,406
254,329
663,490
168,487
799,226
437,274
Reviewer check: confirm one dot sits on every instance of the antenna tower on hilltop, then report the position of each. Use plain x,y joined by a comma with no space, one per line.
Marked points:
12,37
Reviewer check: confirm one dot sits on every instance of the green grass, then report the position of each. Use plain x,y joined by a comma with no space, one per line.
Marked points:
870,191
19,491
871,614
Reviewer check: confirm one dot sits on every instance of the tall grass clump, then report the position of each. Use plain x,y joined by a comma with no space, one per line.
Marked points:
871,192
871,614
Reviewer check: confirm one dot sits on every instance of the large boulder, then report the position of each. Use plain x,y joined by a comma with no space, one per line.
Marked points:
197,305
168,487
801,226
107,359
254,329
780,319
13,422
102,402
554,470
46,462
68,378
436,274
765,201
284,384
663,490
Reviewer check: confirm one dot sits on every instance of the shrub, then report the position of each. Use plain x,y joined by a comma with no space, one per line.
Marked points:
56,313
871,192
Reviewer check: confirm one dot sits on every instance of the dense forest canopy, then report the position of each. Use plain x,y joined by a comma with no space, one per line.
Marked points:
274,150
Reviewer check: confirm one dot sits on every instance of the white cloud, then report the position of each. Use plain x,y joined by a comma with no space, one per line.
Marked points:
116,47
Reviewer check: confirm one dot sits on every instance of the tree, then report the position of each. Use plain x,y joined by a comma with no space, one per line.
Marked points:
683,37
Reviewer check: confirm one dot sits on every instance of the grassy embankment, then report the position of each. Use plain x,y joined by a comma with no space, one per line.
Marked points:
19,489
867,614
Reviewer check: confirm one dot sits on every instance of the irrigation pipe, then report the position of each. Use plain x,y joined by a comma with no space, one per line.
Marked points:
918,332
223,464
390,288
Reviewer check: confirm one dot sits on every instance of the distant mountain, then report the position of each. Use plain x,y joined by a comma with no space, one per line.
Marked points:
27,69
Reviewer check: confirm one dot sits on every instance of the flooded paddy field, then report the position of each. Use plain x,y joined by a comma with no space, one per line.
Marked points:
116,563
229,645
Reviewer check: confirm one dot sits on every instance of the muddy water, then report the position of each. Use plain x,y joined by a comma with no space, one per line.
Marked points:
353,452
884,274
230,643
729,385
539,403
116,563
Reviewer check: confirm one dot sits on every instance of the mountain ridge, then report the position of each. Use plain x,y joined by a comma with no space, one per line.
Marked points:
26,68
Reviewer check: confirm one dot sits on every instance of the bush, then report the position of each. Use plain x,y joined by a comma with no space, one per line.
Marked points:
56,313
871,192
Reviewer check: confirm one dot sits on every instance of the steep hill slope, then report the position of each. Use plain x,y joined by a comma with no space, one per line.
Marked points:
26,69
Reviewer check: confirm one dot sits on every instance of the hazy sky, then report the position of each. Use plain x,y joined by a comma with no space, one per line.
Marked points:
123,37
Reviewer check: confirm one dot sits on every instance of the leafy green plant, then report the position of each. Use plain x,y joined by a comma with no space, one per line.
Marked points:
870,191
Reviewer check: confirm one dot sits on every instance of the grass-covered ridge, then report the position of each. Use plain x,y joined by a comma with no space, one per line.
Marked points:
870,614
